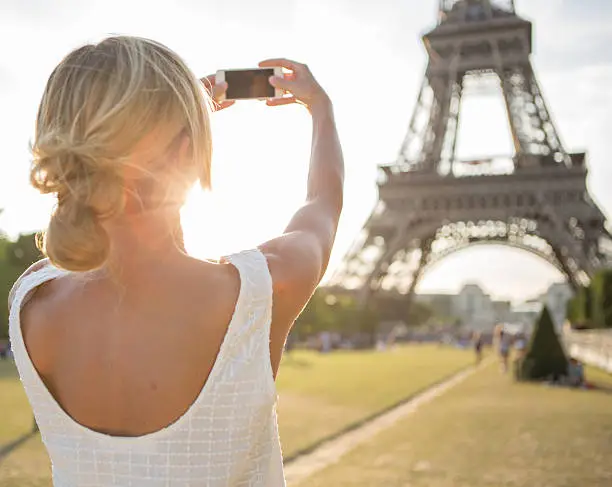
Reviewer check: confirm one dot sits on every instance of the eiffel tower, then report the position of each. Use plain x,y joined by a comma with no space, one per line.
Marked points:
432,204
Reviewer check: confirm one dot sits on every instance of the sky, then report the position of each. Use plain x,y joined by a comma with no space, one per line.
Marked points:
367,54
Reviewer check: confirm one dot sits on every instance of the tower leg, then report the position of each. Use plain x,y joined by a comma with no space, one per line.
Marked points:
373,284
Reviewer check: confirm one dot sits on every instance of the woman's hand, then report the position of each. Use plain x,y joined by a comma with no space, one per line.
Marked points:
216,91
299,83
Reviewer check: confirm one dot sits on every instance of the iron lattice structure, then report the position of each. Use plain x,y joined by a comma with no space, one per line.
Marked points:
432,204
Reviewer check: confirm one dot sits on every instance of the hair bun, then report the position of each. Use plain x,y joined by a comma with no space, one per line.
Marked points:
89,189
75,239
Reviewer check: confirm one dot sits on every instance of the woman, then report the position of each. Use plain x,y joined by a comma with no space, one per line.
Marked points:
504,343
143,365
478,343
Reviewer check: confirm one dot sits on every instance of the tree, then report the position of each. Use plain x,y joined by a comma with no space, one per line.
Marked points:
591,307
396,308
322,313
545,357
601,299
335,313
15,258
23,252
6,275
577,308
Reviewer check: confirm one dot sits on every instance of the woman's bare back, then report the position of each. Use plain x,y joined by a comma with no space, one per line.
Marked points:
130,359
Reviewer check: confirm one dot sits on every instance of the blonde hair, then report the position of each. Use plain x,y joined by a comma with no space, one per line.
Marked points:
99,103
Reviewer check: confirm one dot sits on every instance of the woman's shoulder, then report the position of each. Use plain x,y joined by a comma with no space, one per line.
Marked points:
30,270
209,284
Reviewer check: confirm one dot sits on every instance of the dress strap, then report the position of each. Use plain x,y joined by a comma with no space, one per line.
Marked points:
253,312
23,289
36,275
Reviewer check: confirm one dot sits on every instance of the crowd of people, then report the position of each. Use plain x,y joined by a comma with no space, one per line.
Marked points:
513,346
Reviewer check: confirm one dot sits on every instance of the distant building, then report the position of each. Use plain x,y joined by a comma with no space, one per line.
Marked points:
503,311
477,311
472,307
475,308
443,304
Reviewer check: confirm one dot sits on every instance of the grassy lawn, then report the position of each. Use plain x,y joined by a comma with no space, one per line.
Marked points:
12,399
490,432
28,466
320,395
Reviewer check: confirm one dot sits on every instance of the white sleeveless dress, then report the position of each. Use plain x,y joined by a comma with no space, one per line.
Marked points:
228,437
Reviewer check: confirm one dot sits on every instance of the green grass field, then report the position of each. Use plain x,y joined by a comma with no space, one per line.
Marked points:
320,395
12,400
490,432
27,466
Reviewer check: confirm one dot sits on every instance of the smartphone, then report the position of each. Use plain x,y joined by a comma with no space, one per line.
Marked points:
249,84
